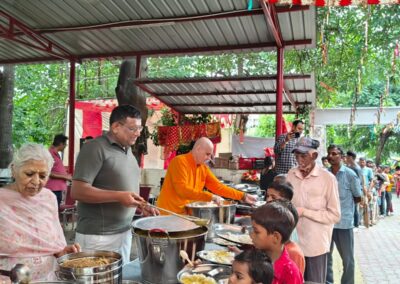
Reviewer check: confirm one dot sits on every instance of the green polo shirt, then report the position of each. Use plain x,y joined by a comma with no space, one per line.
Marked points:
104,164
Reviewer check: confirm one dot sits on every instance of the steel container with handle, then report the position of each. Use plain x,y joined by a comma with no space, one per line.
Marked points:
159,240
223,213
110,273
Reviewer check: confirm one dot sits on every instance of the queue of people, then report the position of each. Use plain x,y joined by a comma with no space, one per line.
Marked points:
309,210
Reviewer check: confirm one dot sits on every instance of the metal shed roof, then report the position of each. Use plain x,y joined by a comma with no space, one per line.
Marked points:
231,94
42,30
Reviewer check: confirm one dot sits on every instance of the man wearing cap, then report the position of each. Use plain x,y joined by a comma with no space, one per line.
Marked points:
284,146
316,198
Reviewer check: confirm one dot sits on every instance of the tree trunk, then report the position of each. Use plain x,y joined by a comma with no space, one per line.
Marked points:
383,137
6,111
128,93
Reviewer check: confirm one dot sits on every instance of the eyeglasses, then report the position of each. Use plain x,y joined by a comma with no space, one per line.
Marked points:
133,129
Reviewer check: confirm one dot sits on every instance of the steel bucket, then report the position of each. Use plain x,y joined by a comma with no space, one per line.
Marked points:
224,213
110,273
158,248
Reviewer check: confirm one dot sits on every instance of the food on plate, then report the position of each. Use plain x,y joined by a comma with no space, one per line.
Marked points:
197,279
223,242
237,238
83,262
219,256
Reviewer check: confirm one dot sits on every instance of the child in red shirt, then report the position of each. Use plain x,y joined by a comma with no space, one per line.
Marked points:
284,191
272,225
251,266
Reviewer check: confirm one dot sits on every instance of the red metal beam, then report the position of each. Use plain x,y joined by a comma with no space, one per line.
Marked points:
220,79
228,93
197,50
170,52
288,9
71,130
36,41
289,97
235,104
273,25
279,90
156,22
236,112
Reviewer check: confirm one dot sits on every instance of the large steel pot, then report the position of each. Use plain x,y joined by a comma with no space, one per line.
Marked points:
159,240
110,273
223,213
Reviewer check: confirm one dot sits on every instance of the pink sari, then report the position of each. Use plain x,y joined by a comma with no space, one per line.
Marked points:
30,232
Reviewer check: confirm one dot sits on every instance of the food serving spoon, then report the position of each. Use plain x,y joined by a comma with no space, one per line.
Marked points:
185,256
20,273
196,220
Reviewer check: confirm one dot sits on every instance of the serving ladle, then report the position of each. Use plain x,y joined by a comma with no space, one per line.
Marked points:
185,256
198,221
20,273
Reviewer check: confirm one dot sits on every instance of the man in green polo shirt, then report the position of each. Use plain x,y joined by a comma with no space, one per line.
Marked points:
106,184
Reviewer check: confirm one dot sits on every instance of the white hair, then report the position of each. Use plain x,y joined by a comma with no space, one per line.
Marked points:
29,152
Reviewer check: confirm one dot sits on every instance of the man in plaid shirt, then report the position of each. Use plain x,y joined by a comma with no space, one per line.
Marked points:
284,145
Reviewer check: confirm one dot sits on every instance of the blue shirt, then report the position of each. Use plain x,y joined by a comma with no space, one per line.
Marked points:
368,174
349,187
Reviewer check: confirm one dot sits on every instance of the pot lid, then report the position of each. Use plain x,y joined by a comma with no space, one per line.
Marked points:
168,223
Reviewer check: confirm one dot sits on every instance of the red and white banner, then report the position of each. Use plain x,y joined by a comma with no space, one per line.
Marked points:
333,2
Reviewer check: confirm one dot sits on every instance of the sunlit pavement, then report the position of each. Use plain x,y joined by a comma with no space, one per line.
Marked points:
377,251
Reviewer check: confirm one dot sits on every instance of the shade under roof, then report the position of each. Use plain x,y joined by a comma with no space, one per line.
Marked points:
84,29
231,94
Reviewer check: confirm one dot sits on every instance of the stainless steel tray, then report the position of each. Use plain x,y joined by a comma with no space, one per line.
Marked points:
226,257
232,233
220,273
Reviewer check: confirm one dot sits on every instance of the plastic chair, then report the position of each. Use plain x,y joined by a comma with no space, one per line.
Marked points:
68,208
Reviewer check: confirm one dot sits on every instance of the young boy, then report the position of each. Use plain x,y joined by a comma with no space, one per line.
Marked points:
251,266
284,191
272,225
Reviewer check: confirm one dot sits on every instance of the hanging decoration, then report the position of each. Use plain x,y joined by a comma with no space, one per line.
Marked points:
321,3
358,88
324,42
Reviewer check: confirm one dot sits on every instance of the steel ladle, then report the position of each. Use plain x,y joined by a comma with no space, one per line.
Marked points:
20,273
196,220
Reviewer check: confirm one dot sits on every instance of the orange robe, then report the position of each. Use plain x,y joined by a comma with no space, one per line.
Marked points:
185,181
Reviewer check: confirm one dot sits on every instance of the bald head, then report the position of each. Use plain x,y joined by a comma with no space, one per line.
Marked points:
202,150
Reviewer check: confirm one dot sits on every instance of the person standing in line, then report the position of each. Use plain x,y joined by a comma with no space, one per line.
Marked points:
58,176
388,195
106,184
284,147
316,198
342,236
397,180
369,186
381,185
325,162
351,163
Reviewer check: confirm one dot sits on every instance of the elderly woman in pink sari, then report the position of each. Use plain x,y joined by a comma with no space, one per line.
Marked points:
30,231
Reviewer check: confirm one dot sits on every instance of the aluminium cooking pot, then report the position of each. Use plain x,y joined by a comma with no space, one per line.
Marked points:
223,213
110,273
159,240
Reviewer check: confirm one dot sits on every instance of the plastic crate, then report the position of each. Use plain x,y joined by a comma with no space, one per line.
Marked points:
245,163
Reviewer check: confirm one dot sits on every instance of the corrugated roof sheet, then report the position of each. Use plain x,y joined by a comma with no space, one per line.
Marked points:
150,27
230,94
